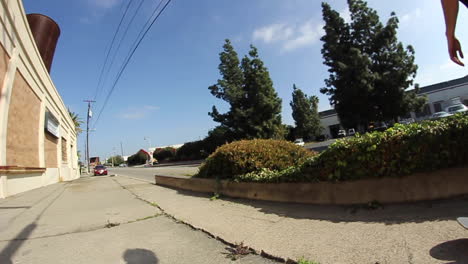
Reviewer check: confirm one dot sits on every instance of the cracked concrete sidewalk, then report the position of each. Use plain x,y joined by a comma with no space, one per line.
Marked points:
70,223
424,232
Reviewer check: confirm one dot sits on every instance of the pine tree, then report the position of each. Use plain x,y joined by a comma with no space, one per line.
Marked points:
262,104
229,89
305,114
370,70
255,107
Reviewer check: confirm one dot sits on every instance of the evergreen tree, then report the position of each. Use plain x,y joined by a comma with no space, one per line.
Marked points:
229,89
305,114
370,70
254,105
262,104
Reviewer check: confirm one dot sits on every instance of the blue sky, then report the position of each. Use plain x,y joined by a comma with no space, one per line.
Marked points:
163,94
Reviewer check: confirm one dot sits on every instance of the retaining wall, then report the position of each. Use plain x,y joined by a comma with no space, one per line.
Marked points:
417,187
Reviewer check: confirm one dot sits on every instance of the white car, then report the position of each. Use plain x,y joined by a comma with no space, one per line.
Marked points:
458,108
440,115
341,133
299,142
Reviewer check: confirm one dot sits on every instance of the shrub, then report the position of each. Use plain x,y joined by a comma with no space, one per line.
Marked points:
246,156
164,154
400,150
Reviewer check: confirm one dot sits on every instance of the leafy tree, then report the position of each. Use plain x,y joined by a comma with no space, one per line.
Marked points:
370,71
163,154
116,160
137,159
76,121
254,105
305,114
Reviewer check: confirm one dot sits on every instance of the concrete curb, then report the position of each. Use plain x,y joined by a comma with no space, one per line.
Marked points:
417,187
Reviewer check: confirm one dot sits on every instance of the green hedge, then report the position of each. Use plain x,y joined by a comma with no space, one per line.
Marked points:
240,157
398,151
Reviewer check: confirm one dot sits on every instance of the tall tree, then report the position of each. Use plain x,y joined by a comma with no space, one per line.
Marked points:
229,89
370,71
246,86
305,114
262,104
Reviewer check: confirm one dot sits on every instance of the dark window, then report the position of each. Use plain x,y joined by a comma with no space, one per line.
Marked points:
64,150
438,107
425,111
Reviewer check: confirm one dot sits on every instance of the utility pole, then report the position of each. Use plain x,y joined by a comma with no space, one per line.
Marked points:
121,149
88,116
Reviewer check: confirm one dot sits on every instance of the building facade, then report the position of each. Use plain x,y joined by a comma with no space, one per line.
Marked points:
439,97
38,144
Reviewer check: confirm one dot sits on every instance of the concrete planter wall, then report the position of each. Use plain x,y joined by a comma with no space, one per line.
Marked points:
418,187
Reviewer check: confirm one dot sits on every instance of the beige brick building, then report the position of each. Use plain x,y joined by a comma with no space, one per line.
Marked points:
38,143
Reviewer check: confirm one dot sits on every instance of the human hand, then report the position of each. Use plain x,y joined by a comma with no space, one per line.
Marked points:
454,49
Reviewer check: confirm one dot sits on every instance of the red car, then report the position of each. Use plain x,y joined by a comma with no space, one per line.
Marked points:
100,170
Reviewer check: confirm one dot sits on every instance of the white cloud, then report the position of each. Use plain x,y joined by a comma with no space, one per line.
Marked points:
408,17
308,34
346,15
273,33
151,107
135,113
435,73
104,3
291,37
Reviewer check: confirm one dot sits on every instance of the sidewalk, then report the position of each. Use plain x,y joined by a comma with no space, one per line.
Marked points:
96,220
425,232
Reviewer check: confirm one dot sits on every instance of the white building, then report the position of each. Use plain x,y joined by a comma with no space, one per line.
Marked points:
439,97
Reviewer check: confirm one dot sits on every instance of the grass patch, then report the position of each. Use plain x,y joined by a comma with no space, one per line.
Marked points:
305,261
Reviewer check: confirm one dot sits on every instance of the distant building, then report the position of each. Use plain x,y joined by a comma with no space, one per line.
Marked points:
93,161
175,146
439,97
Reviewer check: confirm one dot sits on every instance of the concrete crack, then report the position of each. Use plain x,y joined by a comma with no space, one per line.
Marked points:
220,239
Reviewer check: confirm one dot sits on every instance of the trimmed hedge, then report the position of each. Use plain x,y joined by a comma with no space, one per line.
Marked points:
232,160
398,151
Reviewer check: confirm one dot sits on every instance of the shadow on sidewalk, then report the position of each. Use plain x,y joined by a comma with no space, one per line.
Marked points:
415,212
455,250
140,256
7,253
13,245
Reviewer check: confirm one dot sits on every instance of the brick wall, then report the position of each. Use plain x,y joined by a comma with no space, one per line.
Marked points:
23,125
50,148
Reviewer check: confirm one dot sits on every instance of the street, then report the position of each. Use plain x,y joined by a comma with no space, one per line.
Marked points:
320,146
147,174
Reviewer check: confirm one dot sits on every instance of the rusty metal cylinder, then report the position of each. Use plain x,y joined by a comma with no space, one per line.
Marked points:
46,33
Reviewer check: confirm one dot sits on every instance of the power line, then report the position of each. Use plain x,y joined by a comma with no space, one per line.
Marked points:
110,48
124,66
121,41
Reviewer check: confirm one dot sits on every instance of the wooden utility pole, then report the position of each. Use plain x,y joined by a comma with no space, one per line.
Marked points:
88,116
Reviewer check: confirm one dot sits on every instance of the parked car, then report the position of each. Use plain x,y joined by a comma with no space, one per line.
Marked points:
458,108
321,138
341,133
299,142
440,115
379,126
123,165
351,132
407,121
100,170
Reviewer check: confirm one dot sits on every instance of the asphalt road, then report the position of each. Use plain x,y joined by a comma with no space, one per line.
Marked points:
320,146
148,173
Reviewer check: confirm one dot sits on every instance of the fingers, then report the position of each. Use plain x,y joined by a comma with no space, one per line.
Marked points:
457,61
